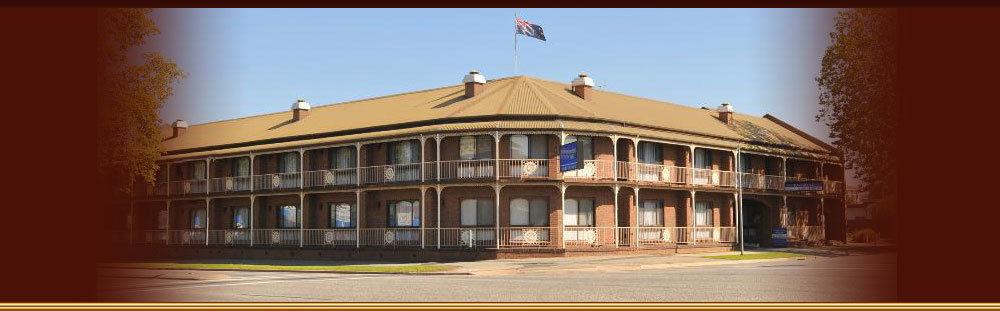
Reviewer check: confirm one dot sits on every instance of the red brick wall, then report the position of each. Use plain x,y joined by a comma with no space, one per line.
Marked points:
604,205
182,211
376,205
672,203
451,202
317,212
267,207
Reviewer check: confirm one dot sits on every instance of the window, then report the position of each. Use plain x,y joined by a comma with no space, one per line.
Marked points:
241,167
342,215
404,152
584,146
579,212
529,146
477,212
475,147
650,153
288,217
241,218
198,219
745,163
198,170
533,213
404,214
651,213
162,219
703,214
702,158
288,162
343,157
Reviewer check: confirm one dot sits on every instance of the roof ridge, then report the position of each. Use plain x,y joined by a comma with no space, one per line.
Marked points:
353,101
567,98
476,99
534,90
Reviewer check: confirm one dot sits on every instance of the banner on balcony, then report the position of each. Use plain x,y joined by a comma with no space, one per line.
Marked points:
568,158
804,185
779,237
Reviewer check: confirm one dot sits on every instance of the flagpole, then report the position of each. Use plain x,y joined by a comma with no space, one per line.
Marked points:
515,41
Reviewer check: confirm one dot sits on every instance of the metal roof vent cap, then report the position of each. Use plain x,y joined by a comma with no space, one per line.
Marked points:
300,109
180,126
726,113
582,86
474,83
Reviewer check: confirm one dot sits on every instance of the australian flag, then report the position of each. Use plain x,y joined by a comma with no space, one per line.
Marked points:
528,29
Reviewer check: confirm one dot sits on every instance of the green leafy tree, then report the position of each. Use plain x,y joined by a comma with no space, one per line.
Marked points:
132,92
857,95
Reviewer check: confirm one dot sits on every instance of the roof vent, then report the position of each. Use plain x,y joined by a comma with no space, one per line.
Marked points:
725,113
582,86
474,83
300,110
179,127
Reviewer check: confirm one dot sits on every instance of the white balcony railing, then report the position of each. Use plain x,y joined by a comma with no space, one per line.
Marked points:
525,168
193,186
468,169
391,237
277,181
281,237
681,235
762,182
332,177
187,237
467,237
590,236
150,237
390,173
526,237
230,184
229,237
646,172
593,169
331,237
710,177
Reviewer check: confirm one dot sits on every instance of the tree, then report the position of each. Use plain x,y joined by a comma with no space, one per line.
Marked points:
131,94
857,97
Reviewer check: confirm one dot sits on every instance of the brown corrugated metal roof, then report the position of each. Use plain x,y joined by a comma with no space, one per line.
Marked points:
515,102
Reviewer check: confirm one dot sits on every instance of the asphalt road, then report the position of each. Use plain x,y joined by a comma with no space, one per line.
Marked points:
864,278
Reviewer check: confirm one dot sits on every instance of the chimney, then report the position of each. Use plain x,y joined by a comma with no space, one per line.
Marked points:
300,110
725,113
582,86
179,127
474,83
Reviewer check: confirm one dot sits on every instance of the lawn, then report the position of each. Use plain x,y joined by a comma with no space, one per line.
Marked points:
761,255
404,268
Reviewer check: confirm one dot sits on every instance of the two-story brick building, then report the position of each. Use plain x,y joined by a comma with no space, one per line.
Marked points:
477,167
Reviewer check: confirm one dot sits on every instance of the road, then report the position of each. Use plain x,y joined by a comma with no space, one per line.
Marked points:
860,278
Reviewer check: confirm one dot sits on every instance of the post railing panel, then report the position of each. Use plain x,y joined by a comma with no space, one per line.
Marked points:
583,237
276,181
526,237
230,184
330,237
280,237
229,237
467,169
331,177
187,237
469,237
390,173
192,186
390,237
525,168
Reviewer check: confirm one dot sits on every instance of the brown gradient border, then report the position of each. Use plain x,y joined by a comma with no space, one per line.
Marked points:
949,69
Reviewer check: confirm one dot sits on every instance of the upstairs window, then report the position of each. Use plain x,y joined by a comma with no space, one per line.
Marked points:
584,146
197,170
241,167
475,147
650,153
343,157
477,212
404,152
529,146
288,162
702,158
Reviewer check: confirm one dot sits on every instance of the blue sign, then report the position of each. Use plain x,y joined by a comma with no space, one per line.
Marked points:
568,159
779,237
806,185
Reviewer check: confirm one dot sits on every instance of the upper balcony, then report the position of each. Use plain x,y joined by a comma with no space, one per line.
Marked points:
485,157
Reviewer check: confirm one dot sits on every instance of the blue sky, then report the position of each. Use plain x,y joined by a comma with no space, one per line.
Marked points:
244,62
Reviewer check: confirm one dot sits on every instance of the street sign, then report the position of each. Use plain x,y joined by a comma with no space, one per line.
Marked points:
804,185
779,237
568,158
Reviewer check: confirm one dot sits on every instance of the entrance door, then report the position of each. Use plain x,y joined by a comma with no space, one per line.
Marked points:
755,228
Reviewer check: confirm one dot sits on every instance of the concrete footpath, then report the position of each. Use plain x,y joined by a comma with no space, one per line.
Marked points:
608,263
